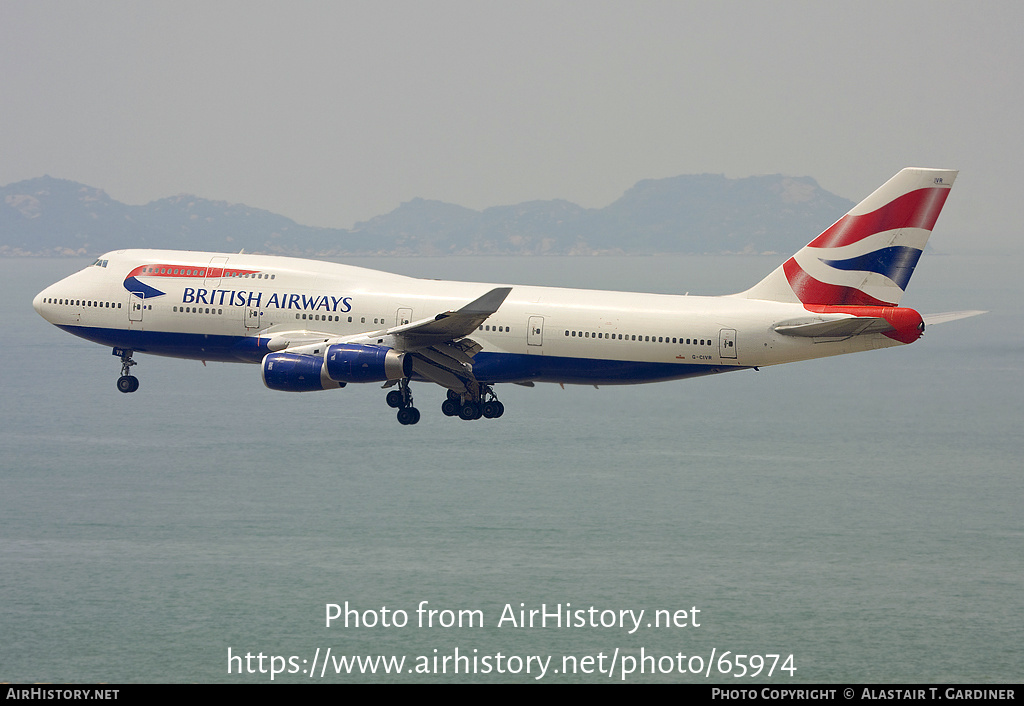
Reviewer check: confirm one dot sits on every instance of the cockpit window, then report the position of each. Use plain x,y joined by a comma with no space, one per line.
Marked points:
100,263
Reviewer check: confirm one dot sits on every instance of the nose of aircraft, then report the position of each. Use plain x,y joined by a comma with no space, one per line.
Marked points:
39,304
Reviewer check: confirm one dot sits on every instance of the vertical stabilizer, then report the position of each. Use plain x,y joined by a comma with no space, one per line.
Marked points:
865,258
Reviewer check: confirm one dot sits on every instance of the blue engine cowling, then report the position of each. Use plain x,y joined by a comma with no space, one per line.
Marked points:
342,364
347,362
290,372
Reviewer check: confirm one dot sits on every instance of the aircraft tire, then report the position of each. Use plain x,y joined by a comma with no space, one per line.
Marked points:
127,383
454,396
449,408
469,411
490,409
408,415
394,399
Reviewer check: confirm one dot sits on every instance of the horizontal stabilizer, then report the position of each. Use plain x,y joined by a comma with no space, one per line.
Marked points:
842,328
931,319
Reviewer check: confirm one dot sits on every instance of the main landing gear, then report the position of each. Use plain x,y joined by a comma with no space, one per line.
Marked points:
127,382
483,404
476,403
401,399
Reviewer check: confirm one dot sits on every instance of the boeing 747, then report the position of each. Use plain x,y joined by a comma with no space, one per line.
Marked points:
314,325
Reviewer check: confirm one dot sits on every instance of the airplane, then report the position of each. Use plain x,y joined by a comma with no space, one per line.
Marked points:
315,325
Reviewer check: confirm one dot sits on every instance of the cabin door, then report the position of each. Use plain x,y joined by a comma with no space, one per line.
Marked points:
727,343
252,317
215,271
136,305
535,333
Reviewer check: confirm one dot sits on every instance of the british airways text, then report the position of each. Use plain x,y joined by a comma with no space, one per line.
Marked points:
231,297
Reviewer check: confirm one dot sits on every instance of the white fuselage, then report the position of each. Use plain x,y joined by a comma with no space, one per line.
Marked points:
213,306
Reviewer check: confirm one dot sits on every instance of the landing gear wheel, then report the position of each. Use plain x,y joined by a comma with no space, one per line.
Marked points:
454,396
127,383
490,407
450,408
402,399
408,415
470,410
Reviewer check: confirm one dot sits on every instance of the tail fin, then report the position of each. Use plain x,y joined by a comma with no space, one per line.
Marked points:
865,258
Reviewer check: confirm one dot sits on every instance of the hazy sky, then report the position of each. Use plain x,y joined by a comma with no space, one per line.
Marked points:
334,112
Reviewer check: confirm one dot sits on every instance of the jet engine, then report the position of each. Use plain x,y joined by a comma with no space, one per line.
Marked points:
341,364
291,372
346,362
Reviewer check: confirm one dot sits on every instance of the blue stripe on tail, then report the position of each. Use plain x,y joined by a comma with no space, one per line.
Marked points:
896,263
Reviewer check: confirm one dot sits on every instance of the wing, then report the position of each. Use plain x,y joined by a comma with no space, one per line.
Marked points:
451,325
439,347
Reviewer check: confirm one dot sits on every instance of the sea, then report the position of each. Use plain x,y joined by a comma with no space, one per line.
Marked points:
858,519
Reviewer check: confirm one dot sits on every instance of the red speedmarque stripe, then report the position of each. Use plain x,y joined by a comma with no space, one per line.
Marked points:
917,209
812,291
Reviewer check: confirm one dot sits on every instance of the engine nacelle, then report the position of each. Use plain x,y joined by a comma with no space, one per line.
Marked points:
290,372
346,362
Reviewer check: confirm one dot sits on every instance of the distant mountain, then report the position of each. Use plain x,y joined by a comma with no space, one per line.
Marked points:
47,216
703,213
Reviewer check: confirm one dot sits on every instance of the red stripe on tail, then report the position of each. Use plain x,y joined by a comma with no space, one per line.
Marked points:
917,209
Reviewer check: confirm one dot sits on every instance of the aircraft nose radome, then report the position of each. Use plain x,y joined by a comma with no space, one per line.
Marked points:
38,303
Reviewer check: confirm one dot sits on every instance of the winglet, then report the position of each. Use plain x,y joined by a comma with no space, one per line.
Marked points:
452,325
482,306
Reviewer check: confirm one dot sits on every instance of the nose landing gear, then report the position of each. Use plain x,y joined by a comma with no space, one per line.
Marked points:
127,382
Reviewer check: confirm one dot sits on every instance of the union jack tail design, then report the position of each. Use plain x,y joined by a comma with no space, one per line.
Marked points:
865,258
